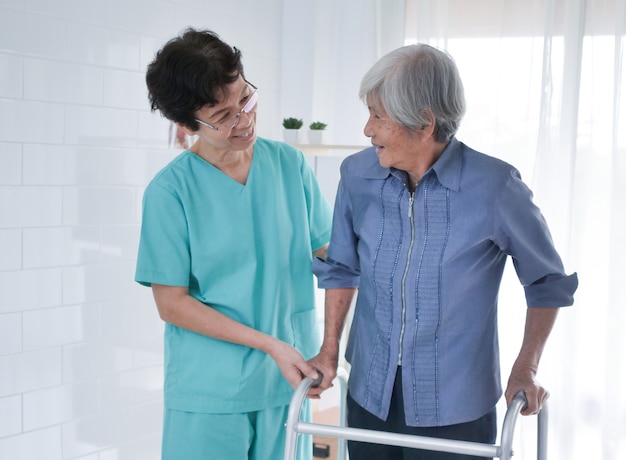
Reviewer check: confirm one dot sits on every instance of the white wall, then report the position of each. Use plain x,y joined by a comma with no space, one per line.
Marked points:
80,342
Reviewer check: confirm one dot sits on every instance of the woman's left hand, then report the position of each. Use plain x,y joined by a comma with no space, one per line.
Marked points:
291,363
523,379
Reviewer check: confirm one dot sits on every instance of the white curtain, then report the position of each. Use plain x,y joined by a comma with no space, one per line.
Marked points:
545,87
328,47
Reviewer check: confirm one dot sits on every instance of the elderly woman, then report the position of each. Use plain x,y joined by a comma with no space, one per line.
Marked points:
423,226
228,232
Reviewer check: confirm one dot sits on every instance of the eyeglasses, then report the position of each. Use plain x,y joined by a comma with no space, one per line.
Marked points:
248,108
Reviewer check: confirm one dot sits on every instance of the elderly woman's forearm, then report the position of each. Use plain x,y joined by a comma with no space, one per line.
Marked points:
338,302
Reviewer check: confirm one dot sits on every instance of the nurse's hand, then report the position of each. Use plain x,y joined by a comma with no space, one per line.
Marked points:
291,363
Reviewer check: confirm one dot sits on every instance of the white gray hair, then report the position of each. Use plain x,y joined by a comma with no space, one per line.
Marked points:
415,79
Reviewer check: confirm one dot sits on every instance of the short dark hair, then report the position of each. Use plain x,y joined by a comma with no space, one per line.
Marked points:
190,72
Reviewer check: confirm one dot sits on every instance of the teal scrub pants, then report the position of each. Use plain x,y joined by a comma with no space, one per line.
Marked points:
248,436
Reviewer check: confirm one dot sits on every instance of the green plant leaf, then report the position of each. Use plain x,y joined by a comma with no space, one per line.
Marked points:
292,123
317,125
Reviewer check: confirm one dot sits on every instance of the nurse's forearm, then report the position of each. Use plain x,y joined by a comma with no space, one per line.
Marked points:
177,307
321,252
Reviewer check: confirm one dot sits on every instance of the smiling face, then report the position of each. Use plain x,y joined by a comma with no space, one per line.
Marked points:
239,109
396,146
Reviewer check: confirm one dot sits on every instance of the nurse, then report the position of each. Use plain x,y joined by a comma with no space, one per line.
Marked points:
229,229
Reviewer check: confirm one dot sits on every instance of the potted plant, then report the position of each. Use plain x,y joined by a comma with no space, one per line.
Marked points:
316,132
292,126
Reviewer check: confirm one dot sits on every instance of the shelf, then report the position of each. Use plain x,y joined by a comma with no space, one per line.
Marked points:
326,149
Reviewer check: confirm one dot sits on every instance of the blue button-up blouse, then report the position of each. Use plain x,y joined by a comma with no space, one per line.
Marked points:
428,268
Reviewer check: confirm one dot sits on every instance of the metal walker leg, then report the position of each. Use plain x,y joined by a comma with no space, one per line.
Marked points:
504,451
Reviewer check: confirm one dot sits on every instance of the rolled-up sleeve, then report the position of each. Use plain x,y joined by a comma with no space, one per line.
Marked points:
552,291
524,235
341,268
332,274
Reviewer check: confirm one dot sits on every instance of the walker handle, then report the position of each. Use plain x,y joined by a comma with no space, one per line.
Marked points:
318,380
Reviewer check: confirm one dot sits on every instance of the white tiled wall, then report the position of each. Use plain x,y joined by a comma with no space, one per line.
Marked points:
80,342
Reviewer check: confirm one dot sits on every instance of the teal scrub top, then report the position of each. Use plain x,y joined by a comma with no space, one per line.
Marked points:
244,250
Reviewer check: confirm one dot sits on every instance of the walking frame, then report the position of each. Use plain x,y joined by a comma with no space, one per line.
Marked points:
504,451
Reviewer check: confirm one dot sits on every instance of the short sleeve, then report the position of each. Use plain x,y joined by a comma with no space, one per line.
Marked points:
164,256
319,212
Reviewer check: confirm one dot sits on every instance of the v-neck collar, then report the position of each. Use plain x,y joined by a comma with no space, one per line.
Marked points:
219,173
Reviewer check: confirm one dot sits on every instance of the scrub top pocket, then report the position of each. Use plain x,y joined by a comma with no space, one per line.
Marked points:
306,337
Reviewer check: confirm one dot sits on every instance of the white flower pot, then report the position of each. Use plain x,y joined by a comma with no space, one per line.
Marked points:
316,136
291,136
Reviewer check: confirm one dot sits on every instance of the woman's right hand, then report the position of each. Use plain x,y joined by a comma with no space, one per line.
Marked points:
326,361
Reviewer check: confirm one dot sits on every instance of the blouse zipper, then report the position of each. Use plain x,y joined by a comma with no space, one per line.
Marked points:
405,274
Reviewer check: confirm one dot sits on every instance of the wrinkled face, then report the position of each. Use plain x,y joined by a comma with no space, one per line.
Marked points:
396,146
231,123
